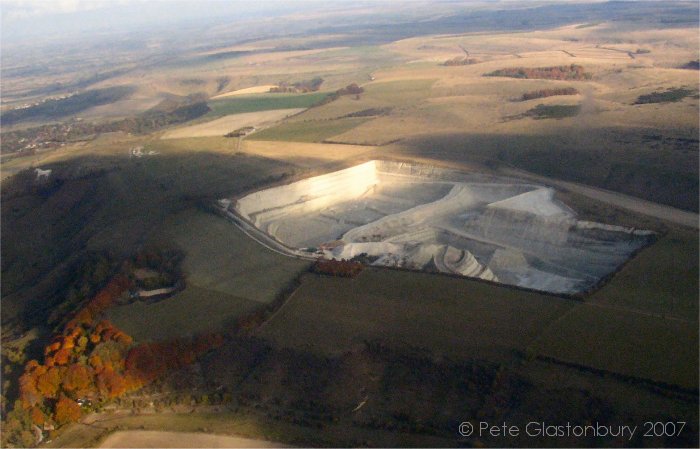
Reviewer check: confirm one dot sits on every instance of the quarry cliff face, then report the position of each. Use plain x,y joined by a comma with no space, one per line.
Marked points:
427,218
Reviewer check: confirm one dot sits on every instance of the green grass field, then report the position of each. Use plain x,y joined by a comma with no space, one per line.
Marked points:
262,102
399,92
662,279
625,342
193,311
227,276
311,131
457,317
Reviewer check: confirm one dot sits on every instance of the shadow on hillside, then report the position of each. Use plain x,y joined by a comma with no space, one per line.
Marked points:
636,162
108,205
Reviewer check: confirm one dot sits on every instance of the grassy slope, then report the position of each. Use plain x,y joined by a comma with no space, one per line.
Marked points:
262,102
458,317
625,342
193,311
614,158
227,275
312,131
662,279
321,123
128,200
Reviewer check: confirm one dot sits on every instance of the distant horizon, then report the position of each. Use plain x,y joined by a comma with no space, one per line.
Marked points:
28,19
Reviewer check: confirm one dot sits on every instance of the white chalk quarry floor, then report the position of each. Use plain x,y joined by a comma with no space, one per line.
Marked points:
427,218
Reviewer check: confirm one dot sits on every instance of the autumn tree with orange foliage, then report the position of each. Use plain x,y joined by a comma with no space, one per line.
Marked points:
49,382
341,268
148,361
78,379
111,384
67,410
38,417
95,360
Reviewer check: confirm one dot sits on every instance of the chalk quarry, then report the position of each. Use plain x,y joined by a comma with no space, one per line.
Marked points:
427,218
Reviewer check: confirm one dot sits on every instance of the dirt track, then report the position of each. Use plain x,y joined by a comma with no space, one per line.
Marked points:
638,205
151,438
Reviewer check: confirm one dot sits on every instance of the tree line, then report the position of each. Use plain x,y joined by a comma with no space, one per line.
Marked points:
562,72
91,362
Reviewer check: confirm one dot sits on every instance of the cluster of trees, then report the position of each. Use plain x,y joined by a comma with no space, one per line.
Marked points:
563,72
149,361
691,65
555,111
341,268
164,264
90,362
670,95
312,85
371,112
459,60
90,274
542,93
84,362
103,299
241,132
350,89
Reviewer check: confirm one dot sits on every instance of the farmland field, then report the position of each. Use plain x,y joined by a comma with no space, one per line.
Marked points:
455,317
228,123
313,131
245,91
228,275
262,102
662,280
306,154
637,345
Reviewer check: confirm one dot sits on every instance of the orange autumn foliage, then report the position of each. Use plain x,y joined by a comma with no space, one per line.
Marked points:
78,378
68,343
105,297
53,347
31,365
67,410
48,383
100,302
29,395
38,416
111,384
62,356
341,268
148,361
96,360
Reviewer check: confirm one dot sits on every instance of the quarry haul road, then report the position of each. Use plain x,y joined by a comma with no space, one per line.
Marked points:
263,239
638,205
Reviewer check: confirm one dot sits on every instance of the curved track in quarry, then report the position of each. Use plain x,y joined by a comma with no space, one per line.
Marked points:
426,218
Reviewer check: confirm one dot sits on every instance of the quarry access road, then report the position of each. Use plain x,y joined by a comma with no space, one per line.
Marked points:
634,204
263,239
